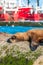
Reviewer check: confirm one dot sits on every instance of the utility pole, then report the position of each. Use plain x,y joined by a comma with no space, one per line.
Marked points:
28,2
37,2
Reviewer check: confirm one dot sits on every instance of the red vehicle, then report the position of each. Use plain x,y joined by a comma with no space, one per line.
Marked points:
21,14
25,14
1,14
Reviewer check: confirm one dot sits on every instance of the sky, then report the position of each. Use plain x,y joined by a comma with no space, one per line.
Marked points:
33,2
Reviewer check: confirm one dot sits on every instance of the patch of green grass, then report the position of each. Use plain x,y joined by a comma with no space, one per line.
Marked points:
4,47
9,60
37,54
21,23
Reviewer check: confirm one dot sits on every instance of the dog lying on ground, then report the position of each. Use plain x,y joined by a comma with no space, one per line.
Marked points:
34,37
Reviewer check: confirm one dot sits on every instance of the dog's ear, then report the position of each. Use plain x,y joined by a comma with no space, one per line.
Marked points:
33,33
13,37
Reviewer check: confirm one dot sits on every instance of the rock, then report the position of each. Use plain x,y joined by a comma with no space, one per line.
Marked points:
39,61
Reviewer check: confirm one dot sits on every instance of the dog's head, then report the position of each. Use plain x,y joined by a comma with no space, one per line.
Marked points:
16,38
12,39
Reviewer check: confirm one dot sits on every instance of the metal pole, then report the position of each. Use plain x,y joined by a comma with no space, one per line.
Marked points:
28,2
37,2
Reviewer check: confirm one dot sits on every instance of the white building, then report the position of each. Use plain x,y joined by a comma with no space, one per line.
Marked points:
11,5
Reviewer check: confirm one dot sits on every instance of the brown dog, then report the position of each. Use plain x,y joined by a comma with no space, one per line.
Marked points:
33,36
